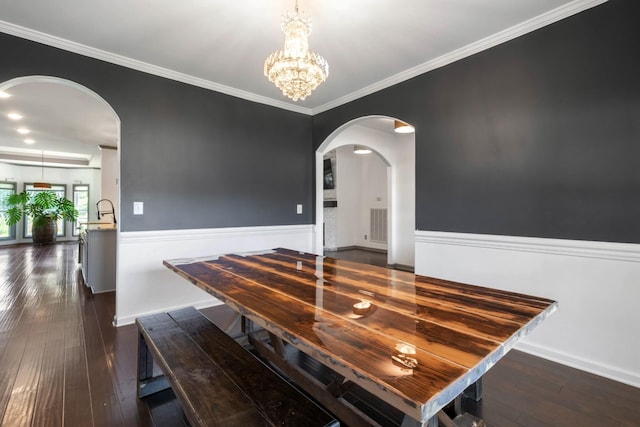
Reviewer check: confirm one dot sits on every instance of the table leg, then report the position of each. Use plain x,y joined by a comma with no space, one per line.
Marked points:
474,391
339,386
407,421
231,323
278,345
344,410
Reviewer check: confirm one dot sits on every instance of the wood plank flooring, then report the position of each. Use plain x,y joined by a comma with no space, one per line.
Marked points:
62,363
359,255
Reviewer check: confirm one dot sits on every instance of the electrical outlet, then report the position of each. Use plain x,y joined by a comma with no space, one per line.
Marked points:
299,209
365,237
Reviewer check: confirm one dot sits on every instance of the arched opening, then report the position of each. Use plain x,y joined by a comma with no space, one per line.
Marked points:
398,154
74,141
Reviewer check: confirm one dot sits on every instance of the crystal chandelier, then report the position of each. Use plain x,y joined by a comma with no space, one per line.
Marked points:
295,70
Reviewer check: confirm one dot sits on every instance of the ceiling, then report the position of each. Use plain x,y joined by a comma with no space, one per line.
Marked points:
222,45
68,125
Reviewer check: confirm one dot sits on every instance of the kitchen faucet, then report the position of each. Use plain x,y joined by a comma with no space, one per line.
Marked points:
101,214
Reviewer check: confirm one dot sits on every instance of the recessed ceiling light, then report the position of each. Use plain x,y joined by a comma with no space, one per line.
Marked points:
359,149
4,94
14,116
23,131
29,141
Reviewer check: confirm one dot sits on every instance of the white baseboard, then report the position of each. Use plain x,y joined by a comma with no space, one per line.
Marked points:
600,369
128,320
596,284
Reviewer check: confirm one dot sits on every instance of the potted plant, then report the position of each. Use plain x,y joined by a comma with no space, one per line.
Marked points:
45,209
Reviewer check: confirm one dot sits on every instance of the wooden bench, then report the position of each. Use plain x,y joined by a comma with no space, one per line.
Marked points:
218,382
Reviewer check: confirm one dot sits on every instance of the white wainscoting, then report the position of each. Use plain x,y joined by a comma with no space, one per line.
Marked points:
597,285
146,286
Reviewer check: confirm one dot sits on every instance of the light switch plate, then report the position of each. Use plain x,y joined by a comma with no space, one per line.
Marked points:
138,208
299,209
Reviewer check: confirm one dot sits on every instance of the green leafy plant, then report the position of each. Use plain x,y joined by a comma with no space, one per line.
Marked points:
42,207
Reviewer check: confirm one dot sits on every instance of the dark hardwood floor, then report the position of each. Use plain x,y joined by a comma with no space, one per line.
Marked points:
359,255
63,363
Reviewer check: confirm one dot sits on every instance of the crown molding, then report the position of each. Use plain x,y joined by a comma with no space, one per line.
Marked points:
43,161
493,40
528,26
113,58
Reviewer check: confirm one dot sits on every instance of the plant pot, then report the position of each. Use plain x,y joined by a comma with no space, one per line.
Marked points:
45,232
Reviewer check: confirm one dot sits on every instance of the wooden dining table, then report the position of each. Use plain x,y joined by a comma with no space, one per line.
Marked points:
410,342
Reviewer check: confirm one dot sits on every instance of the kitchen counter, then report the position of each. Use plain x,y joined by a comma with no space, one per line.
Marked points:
101,226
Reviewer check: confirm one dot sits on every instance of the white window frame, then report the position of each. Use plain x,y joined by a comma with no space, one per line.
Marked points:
61,191
12,187
81,224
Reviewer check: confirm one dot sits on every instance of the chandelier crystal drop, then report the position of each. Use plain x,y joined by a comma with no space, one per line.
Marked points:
295,70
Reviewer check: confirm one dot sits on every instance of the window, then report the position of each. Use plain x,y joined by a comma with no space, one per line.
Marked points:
81,202
6,232
60,190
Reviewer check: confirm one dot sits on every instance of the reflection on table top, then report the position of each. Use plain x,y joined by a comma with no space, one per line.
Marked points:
415,341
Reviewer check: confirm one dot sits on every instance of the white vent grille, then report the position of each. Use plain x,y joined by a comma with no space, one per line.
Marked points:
378,230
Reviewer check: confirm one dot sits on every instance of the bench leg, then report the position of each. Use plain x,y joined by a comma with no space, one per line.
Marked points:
147,383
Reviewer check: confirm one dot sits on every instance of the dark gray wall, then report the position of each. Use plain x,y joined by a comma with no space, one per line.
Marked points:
535,137
538,137
196,158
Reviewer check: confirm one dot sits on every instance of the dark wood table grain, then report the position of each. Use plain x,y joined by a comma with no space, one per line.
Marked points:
415,342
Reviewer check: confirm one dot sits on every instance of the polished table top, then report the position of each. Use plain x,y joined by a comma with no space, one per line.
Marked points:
414,341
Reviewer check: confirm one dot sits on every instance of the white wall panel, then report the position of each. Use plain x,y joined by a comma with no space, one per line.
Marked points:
597,285
145,285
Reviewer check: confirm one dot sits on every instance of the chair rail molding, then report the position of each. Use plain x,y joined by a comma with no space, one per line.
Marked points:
580,248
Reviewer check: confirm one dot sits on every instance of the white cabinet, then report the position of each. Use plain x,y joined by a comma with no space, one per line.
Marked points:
99,259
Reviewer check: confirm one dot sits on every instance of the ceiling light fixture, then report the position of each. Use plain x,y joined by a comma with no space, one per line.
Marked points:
29,141
4,95
359,149
23,131
295,70
402,127
14,116
42,185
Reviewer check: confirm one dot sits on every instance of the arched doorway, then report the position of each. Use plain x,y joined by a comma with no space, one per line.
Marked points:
74,132
398,153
